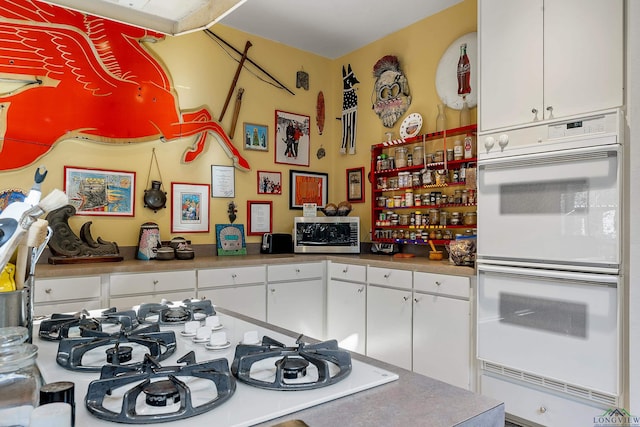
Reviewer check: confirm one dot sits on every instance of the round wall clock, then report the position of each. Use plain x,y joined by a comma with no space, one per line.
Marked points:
447,73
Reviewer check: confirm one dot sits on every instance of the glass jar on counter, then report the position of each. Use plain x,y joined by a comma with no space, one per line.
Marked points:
20,378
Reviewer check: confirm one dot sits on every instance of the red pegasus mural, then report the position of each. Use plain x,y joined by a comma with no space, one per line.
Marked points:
80,76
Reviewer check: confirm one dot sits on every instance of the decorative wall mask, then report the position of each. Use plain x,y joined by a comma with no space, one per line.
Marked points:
302,80
92,79
349,110
391,90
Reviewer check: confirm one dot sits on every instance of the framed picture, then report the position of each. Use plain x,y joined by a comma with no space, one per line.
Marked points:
259,218
269,182
189,208
100,192
223,181
256,137
230,239
355,185
292,143
307,187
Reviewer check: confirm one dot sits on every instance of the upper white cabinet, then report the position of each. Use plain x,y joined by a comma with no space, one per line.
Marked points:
543,59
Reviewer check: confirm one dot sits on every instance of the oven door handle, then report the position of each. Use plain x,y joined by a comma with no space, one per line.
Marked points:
587,278
545,158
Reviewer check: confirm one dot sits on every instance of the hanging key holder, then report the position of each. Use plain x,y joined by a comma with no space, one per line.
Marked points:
155,198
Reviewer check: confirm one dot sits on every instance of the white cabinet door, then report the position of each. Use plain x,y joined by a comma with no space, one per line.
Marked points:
389,325
548,59
67,294
583,56
249,300
510,54
130,289
441,338
231,276
297,306
346,314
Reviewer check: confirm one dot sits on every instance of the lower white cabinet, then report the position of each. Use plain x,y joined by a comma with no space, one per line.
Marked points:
543,407
346,306
441,328
129,289
296,297
67,294
389,325
239,289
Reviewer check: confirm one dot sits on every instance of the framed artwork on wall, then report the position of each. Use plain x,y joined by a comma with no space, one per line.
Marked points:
189,208
292,138
307,187
269,182
256,137
100,192
223,181
259,217
355,185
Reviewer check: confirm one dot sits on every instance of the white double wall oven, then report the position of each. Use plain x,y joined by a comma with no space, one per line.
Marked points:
549,255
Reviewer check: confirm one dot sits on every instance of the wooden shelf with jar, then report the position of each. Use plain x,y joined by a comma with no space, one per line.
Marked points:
428,195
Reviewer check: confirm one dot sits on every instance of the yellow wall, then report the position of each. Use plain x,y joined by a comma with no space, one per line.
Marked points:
202,73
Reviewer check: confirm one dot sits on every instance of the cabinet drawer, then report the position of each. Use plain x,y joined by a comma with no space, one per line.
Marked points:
166,281
354,273
231,276
277,273
540,406
70,288
389,277
66,307
442,284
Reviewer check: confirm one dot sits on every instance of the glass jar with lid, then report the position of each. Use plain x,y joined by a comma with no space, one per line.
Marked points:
401,157
20,378
418,155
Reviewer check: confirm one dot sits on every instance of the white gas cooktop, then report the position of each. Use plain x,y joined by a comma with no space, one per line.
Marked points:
248,406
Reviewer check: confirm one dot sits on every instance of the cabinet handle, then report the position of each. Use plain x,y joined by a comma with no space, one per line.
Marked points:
297,270
234,275
155,282
550,110
48,291
417,300
534,110
542,410
438,283
405,298
273,291
345,269
386,276
361,289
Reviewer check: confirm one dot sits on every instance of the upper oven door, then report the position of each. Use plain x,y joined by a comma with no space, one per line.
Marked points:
559,209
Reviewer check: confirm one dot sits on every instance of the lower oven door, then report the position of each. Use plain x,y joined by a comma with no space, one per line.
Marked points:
559,325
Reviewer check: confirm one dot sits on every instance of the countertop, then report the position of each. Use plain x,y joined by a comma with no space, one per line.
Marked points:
412,400
136,266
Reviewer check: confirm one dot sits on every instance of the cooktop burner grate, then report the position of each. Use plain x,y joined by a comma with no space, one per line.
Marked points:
61,326
171,314
272,365
151,393
95,348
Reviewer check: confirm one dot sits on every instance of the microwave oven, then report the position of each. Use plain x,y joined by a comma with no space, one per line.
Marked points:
329,234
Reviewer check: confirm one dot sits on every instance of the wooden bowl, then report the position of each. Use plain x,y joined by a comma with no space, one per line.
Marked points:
436,255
